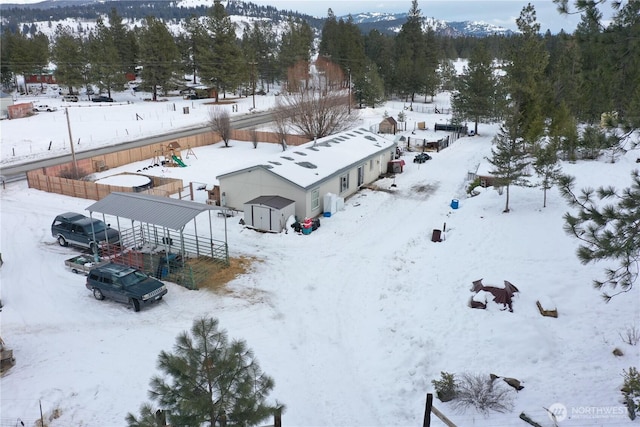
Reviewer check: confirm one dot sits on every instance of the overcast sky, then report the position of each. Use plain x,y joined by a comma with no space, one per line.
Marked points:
497,12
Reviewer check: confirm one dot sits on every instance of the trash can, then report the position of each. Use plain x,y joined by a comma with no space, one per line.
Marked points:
435,236
185,110
454,203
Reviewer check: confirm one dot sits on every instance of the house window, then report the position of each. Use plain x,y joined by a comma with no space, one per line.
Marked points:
344,182
315,199
371,164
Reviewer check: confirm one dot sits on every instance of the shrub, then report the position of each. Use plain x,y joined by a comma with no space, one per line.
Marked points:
483,394
631,335
472,186
631,391
71,173
446,387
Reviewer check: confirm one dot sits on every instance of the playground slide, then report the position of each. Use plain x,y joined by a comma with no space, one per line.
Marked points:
178,161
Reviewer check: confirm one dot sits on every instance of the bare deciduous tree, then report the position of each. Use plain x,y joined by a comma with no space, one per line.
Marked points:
317,104
220,123
253,134
281,122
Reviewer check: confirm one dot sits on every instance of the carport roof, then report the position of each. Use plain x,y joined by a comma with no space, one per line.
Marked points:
163,211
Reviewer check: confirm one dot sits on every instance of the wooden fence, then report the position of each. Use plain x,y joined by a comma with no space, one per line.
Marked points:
56,179
92,190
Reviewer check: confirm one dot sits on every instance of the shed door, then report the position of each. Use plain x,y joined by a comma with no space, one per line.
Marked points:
261,217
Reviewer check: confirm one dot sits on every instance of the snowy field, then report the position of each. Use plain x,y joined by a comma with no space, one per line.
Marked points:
353,321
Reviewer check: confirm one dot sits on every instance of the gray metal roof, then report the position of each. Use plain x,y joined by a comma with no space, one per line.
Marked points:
276,202
163,211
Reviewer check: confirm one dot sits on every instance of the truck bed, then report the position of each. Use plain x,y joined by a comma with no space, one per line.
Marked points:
82,264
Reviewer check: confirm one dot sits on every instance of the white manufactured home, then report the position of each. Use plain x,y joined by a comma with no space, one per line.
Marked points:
340,164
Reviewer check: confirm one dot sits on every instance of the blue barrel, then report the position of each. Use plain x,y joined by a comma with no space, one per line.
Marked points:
454,203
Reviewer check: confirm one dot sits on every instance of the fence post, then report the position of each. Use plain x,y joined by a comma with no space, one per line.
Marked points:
277,418
427,411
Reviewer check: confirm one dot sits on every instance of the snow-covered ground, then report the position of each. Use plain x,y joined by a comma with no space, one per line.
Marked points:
353,321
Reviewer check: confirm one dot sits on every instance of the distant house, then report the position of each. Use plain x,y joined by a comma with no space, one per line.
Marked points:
483,173
339,164
40,79
388,125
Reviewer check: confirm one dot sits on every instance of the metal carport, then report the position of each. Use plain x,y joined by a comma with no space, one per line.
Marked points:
160,221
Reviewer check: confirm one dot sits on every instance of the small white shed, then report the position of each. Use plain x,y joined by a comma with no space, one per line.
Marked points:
268,213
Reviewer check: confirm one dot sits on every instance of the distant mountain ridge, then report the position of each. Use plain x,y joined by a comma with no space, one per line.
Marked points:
386,23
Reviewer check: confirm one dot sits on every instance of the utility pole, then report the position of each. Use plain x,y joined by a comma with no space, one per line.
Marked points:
73,151
253,82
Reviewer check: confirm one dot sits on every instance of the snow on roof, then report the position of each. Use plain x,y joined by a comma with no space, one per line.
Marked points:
125,180
147,208
277,202
307,164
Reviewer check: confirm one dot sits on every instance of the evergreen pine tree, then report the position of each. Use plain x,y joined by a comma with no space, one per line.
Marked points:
565,73
209,380
525,78
6,75
40,52
125,42
369,88
412,65
448,75
68,55
508,158
222,64
14,55
295,45
190,45
158,56
606,231
351,56
624,48
563,132
379,48
476,92
259,48
430,63
546,167
329,37
595,89
106,69
592,141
